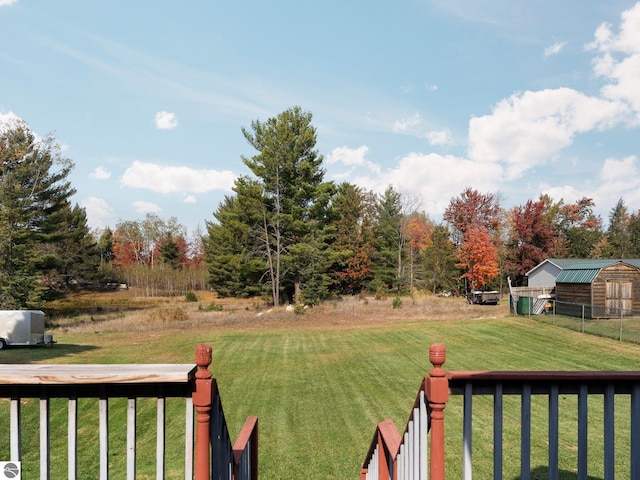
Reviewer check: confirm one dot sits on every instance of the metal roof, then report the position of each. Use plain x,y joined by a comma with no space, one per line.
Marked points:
585,263
587,270
578,275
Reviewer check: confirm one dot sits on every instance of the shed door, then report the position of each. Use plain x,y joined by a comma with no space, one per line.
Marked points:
619,297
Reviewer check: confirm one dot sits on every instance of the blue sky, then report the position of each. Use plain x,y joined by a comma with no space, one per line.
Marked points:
148,98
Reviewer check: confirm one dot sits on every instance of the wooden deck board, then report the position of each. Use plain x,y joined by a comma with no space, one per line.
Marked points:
95,374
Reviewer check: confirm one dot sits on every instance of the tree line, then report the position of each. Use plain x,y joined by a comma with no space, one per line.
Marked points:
47,248
285,234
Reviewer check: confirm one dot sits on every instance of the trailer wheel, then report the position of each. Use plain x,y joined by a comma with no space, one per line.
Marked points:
3,344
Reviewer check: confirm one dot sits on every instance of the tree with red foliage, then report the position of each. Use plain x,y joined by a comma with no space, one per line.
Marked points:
475,219
478,256
127,248
472,208
531,237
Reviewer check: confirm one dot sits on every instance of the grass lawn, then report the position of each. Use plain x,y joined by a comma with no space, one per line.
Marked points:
320,382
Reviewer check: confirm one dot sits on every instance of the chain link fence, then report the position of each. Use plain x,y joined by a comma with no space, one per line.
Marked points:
617,323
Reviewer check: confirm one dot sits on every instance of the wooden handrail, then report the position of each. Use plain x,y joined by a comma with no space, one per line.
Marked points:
386,442
194,383
440,384
247,441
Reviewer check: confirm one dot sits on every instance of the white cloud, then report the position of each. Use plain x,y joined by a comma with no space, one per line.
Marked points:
169,179
616,179
99,213
352,158
430,87
407,124
619,178
554,49
619,62
527,129
100,173
615,170
166,121
566,193
348,156
6,3
8,120
437,178
440,137
189,199
146,207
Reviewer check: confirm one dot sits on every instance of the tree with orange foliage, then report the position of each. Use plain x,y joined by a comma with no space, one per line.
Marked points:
418,232
475,219
478,256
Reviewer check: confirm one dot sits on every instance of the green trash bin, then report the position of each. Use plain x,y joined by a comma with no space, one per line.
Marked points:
525,305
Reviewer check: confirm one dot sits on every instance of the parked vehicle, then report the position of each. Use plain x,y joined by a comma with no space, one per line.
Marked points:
482,297
23,327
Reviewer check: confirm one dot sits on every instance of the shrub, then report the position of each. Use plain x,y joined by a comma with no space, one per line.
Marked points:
212,307
397,302
191,296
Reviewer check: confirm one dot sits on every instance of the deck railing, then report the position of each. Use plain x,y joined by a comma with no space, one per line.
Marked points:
405,456
208,453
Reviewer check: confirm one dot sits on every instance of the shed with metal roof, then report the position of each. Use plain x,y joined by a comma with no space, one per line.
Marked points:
599,289
545,273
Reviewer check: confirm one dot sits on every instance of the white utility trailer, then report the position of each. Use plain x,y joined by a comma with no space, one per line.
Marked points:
22,327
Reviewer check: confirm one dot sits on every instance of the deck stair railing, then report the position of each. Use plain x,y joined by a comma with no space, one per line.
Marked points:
208,453
552,386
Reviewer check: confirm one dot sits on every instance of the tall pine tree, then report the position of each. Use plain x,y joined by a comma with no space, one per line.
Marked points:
284,209
294,197
34,193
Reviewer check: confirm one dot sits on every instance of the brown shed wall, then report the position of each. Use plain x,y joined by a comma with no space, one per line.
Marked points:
594,294
616,272
573,292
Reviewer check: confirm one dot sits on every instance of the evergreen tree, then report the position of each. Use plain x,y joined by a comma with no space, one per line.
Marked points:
634,234
390,238
34,193
169,251
351,215
70,256
234,255
293,198
105,246
618,232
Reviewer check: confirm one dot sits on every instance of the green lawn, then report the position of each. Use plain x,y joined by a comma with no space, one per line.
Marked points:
319,392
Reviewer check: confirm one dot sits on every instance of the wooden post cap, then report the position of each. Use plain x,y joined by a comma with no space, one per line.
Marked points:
203,360
437,354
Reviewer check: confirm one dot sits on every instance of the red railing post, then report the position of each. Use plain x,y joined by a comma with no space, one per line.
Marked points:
437,390
202,400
